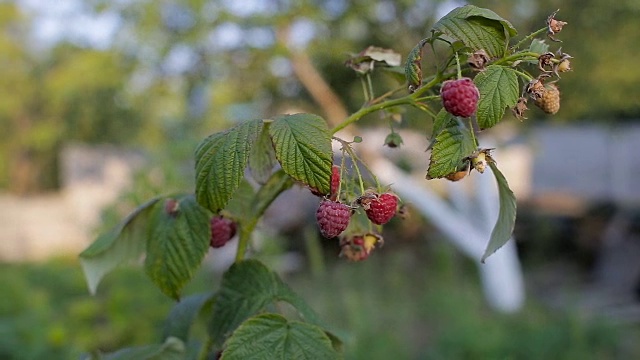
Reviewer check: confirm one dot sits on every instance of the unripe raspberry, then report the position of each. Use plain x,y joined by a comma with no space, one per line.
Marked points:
333,218
549,102
222,230
358,247
382,208
460,97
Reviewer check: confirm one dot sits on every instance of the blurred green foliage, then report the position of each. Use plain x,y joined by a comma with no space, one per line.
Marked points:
390,306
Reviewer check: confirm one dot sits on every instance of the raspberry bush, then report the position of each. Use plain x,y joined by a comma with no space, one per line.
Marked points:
480,76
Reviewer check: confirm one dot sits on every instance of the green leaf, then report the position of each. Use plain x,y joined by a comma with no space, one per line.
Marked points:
172,349
303,148
503,229
262,159
477,28
220,162
452,145
177,242
539,47
247,288
184,314
124,244
241,205
271,336
413,66
498,86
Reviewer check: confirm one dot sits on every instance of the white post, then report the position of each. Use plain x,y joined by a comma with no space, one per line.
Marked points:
501,274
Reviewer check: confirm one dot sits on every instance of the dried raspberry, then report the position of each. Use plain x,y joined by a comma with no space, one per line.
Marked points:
460,97
549,102
333,218
222,230
382,208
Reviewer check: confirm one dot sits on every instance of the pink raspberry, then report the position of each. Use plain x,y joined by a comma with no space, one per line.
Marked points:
460,97
222,230
333,218
382,208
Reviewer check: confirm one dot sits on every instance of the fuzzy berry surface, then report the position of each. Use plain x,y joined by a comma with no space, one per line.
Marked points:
333,218
549,102
382,208
460,97
222,230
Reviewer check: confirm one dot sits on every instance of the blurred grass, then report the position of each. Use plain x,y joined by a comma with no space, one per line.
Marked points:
412,302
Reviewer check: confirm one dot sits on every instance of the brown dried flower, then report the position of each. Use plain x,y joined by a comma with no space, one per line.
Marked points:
554,26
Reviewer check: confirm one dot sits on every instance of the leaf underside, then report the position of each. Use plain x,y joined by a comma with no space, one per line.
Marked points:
503,229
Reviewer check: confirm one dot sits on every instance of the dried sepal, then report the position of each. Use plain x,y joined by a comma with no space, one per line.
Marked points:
478,60
520,107
554,26
544,60
535,88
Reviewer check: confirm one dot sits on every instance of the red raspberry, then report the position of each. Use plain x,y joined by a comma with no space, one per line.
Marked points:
333,218
222,230
460,97
382,208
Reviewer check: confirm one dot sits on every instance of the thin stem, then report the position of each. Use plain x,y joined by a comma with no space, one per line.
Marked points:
523,75
370,85
348,149
458,66
371,109
529,37
517,56
364,90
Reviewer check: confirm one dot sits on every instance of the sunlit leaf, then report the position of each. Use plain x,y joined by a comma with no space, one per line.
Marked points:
477,28
220,163
498,86
303,148
176,244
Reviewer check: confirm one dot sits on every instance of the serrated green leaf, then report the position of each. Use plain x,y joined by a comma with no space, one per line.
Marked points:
477,28
303,148
271,336
172,349
220,162
413,66
184,314
503,229
452,145
247,288
443,118
176,244
262,159
124,244
498,86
